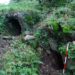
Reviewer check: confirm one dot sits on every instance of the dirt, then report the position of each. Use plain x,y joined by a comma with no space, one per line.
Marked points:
47,68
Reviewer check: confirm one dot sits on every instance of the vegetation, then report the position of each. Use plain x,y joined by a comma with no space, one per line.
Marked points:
21,59
42,18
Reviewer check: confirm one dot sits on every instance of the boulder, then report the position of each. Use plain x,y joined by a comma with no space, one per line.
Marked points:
29,37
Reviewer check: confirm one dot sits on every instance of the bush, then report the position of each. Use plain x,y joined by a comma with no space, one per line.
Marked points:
21,60
2,25
63,16
62,49
61,11
31,18
72,5
54,3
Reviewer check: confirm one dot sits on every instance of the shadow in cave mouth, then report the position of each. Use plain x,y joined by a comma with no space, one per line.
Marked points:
14,26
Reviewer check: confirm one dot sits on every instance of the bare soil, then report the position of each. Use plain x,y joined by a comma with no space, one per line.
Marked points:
47,68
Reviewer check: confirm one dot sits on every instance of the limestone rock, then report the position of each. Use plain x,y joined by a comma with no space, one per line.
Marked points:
29,37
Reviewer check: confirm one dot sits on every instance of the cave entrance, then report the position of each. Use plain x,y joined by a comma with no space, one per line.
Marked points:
14,26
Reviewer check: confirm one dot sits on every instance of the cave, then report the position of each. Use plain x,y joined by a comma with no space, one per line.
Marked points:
14,26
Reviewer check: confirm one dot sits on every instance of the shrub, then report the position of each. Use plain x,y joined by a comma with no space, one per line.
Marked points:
54,3
2,25
62,49
72,5
31,18
61,11
63,16
21,60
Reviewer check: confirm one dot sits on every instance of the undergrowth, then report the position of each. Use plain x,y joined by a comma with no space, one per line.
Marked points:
21,60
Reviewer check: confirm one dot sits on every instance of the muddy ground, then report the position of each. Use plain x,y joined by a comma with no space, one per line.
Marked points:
47,68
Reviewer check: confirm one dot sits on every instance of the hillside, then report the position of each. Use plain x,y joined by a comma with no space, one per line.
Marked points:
34,35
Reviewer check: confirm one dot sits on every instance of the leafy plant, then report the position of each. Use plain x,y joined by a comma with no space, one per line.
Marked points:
62,48
72,5
21,60
54,3
71,55
2,25
31,18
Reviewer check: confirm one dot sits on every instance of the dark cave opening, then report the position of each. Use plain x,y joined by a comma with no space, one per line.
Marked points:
14,26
